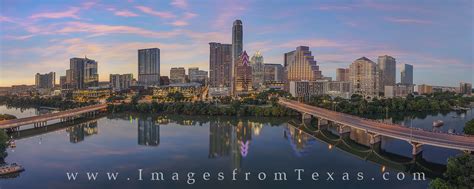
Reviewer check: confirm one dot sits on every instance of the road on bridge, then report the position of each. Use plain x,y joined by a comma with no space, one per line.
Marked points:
445,140
7,124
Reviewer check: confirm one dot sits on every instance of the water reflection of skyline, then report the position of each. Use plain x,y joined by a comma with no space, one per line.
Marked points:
78,132
148,132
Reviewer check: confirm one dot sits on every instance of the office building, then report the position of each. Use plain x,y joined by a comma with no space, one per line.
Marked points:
465,88
398,90
425,89
364,77
387,70
406,74
119,82
273,72
243,75
45,81
220,65
334,89
300,65
257,70
83,73
342,74
197,76
178,75
149,67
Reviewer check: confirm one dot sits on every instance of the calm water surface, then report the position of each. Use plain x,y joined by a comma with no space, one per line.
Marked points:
125,143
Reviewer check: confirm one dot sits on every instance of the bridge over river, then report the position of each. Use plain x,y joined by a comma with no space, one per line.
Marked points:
41,120
416,137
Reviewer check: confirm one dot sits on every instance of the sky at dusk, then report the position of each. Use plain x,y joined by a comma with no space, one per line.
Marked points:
40,36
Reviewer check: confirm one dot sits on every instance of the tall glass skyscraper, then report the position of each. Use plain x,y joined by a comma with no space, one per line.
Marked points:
237,45
387,68
83,73
220,64
149,67
406,74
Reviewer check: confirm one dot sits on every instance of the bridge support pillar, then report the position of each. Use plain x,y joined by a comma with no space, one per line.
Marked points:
322,123
416,148
344,131
305,116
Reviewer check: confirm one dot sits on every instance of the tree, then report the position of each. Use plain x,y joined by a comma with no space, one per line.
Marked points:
3,145
469,127
458,173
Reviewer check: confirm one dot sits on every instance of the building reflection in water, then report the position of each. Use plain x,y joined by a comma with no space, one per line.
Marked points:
220,134
148,132
299,141
81,131
226,139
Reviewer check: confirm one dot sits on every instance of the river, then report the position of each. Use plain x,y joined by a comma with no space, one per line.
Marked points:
135,146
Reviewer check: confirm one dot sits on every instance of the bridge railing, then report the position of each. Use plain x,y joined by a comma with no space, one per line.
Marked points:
378,121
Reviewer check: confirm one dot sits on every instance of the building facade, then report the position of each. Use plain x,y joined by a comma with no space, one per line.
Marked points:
425,89
342,74
119,82
387,70
197,76
178,75
83,73
220,65
364,77
300,65
149,67
465,88
398,90
342,89
257,70
45,81
243,75
273,72
406,75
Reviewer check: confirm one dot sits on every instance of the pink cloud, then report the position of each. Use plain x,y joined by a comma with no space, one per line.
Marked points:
70,13
408,20
179,23
334,7
5,19
102,29
123,13
183,4
21,37
155,13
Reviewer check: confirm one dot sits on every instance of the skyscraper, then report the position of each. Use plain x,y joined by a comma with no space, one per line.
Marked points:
178,75
364,77
243,75
257,70
300,65
237,39
342,74
45,81
83,73
387,70
149,67
406,75
220,65
237,46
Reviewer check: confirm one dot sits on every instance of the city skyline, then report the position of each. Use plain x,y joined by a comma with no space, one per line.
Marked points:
55,33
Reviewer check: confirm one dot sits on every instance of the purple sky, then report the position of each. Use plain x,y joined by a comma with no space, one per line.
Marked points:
40,36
